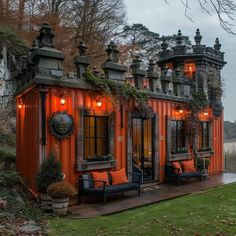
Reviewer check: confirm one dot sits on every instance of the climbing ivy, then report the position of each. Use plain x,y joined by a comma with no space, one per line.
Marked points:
198,103
120,91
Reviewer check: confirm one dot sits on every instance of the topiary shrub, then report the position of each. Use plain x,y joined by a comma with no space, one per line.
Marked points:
49,172
61,190
9,179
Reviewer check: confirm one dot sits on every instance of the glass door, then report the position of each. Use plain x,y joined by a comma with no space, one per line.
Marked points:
142,146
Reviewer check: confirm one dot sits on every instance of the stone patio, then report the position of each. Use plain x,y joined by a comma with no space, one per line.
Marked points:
93,207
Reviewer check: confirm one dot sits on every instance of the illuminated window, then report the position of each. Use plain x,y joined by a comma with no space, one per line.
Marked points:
189,70
178,140
95,136
203,136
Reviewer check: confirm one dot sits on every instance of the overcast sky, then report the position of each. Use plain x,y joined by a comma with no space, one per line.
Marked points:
167,19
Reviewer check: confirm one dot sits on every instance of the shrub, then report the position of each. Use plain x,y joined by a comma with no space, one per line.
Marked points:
8,156
9,179
200,163
61,189
49,172
7,139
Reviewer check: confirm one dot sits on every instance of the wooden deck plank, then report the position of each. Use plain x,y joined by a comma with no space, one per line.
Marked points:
93,207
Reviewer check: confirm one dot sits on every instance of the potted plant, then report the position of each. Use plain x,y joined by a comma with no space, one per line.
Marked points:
49,172
60,193
202,164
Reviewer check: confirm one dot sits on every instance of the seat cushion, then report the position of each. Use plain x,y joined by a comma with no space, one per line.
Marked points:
113,188
190,174
127,187
188,166
108,189
119,177
177,167
100,176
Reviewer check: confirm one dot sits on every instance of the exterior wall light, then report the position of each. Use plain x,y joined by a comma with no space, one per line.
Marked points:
180,109
63,100
99,102
20,105
205,113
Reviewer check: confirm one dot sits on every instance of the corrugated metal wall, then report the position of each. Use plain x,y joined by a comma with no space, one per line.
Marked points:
27,138
28,131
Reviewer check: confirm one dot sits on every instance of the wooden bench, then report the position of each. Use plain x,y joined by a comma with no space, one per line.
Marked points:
175,173
86,187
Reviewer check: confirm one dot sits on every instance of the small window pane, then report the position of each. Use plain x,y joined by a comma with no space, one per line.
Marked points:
95,136
178,143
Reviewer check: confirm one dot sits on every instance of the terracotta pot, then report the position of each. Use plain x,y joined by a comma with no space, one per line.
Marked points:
46,201
60,205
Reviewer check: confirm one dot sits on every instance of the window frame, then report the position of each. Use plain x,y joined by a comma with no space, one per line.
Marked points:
204,136
95,138
178,138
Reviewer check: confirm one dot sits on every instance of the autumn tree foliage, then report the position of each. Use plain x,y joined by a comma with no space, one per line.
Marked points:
93,21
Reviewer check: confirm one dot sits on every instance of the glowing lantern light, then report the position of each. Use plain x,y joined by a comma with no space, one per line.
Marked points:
63,100
99,102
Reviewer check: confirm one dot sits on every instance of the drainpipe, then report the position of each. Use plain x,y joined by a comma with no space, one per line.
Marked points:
43,92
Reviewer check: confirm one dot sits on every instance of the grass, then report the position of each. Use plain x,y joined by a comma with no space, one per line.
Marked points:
212,212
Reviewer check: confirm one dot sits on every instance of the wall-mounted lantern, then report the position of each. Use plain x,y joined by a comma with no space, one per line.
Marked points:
20,105
205,113
62,99
180,109
99,102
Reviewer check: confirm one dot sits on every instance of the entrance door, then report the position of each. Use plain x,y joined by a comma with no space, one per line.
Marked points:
142,146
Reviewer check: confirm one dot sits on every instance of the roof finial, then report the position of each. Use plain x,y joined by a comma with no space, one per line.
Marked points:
136,62
46,35
217,45
112,52
164,44
198,37
179,38
82,48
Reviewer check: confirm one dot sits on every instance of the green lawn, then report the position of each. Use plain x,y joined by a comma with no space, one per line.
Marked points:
212,212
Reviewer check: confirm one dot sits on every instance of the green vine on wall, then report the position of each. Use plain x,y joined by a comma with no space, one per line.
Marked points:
119,91
197,104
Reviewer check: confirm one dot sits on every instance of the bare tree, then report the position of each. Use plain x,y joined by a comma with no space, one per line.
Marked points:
225,10
96,21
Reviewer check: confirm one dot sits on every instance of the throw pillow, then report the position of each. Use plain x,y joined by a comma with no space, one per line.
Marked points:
119,177
100,176
177,166
188,166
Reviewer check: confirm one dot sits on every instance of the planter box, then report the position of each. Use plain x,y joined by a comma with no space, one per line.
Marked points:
179,156
201,154
46,202
60,205
94,165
